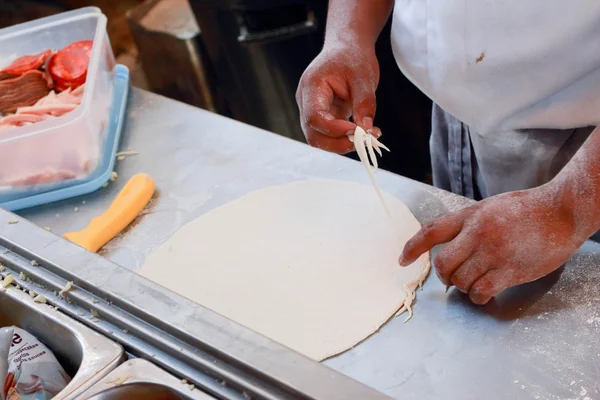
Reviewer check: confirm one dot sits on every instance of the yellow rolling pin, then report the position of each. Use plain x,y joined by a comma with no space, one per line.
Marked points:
127,206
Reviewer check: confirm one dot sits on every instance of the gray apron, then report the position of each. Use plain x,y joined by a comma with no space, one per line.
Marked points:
479,166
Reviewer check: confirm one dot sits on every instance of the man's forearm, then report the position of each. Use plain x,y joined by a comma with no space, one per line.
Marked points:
578,187
356,21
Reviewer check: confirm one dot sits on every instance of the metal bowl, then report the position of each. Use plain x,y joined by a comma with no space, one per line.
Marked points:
139,391
85,355
140,379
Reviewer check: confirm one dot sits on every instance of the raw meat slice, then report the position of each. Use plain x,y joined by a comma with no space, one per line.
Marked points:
51,106
17,119
52,109
22,91
45,177
5,75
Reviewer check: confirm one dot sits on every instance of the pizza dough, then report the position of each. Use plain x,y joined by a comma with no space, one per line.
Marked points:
312,265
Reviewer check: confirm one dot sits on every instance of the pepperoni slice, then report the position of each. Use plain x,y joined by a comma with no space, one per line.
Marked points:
27,63
68,67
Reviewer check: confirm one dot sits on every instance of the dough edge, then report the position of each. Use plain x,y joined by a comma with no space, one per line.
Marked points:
410,295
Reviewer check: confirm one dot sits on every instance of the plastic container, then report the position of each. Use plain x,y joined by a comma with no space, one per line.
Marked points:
56,153
31,196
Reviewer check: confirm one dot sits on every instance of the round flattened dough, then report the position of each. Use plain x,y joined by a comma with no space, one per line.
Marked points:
312,265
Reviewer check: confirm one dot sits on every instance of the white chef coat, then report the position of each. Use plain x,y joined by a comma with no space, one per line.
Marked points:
500,65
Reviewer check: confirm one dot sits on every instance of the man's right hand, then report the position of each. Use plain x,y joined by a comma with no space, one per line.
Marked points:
339,84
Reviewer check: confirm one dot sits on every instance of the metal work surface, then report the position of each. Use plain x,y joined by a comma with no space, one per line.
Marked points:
539,341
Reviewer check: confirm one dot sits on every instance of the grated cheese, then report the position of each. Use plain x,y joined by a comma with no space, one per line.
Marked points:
68,287
40,299
8,280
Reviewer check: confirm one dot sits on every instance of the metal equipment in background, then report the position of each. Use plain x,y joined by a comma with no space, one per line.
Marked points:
14,12
144,381
172,53
259,50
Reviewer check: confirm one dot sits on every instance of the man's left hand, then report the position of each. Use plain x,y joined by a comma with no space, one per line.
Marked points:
502,241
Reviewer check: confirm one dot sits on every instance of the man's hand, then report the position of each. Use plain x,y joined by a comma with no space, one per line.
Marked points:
500,242
338,84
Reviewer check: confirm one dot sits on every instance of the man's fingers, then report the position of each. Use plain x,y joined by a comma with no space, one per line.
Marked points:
452,256
341,145
326,124
376,132
490,284
468,273
363,104
316,104
441,231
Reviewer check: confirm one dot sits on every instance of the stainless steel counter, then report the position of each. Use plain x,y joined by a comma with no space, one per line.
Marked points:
539,341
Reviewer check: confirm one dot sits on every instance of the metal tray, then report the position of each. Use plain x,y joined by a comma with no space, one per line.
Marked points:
86,356
139,379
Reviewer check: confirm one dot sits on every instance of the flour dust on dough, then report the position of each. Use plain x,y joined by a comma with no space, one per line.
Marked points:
312,265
